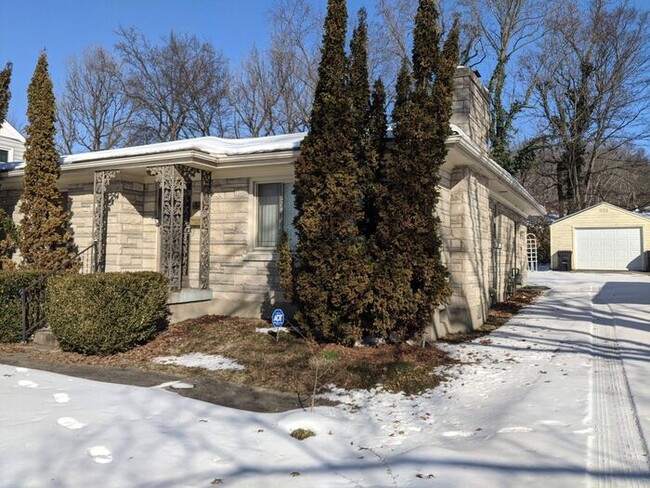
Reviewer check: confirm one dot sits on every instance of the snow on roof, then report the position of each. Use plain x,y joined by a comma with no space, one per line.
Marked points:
209,145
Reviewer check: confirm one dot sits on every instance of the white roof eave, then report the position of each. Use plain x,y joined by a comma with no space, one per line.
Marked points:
496,172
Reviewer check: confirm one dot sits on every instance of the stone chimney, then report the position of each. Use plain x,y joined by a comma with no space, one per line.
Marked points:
471,106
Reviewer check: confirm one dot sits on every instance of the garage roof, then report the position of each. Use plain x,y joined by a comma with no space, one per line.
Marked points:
602,204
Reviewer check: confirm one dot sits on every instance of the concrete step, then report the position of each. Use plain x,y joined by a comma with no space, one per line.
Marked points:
44,340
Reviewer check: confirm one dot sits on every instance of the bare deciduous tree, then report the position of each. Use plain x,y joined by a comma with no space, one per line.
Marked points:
274,89
93,111
178,89
592,95
508,30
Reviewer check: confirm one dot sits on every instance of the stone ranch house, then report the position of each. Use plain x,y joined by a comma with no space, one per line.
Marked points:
209,212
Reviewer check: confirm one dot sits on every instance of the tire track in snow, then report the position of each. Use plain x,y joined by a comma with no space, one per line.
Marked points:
617,444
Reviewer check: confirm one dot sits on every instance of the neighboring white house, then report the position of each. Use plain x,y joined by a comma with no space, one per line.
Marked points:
208,213
12,144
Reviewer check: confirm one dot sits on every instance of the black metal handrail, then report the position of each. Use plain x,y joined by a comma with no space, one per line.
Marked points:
32,297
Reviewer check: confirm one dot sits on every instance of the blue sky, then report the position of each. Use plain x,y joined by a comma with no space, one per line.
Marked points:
66,27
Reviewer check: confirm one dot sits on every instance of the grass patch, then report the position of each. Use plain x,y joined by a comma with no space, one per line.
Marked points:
302,434
498,314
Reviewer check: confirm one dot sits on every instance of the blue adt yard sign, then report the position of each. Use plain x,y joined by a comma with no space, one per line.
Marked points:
277,319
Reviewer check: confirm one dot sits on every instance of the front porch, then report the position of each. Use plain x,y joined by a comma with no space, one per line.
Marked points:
155,218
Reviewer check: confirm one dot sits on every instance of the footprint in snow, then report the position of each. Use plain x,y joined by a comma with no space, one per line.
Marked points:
557,423
61,397
458,433
70,423
100,454
514,430
27,384
22,370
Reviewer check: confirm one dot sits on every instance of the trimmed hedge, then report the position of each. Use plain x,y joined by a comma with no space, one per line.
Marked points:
11,312
106,313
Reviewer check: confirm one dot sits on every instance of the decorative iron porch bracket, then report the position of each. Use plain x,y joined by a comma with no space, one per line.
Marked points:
102,201
204,262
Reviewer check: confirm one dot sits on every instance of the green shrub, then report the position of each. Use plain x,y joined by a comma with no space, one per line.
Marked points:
11,282
105,313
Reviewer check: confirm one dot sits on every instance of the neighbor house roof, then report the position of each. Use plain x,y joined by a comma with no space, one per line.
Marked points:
7,130
601,204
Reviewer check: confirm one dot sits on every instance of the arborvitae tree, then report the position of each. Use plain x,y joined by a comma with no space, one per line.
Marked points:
46,235
359,89
378,119
411,281
378,125
285,267
5,94
8,240
332,273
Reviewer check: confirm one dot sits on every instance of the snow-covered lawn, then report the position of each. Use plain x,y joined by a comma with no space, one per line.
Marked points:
555,398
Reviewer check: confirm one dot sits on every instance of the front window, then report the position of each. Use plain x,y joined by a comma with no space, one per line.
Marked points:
275,214
4,156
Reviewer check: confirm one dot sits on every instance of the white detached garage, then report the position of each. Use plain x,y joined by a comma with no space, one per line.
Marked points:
601,237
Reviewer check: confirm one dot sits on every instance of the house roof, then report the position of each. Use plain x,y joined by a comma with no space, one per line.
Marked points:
216,151
8,130
602,204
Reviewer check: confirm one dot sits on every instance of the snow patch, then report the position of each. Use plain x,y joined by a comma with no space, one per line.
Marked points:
268,330
176,385
22,370
27,384
200,360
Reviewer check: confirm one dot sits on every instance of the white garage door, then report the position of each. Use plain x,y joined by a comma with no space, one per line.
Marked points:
615,249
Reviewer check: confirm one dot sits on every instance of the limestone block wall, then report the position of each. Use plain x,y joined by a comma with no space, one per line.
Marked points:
509,249
469,244
80,205
244,281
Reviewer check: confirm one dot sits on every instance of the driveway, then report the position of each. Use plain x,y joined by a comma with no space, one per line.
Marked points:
556,397
608,317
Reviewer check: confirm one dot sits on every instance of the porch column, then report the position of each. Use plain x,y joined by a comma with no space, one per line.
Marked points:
204,262
173,181
102,200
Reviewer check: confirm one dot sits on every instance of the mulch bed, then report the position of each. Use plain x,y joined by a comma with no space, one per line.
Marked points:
291,364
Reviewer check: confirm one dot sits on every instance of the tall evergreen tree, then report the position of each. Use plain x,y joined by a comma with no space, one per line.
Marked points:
46,236
5,94
410,281
378,125
359,89
332,272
